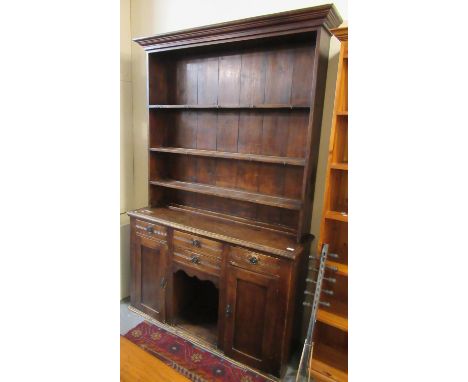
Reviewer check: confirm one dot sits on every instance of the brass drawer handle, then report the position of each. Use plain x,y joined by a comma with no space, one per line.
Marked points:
150,229
196,243
253,260
195,260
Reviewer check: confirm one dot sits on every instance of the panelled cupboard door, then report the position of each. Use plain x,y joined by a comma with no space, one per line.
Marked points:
250,321
149,275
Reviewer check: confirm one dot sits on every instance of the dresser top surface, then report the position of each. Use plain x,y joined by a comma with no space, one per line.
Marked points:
258,237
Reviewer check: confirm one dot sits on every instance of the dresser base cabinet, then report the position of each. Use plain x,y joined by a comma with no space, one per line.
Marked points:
235,298
251,318
148,259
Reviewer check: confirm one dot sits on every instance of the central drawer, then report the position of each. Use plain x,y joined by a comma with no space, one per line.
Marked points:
202,262
198,244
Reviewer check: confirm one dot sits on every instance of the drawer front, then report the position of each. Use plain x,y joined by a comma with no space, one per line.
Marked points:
197,244
150,230
254,261
202,262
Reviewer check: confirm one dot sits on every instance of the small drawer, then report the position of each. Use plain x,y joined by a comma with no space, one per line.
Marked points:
198,261
150,230
254,261
197,244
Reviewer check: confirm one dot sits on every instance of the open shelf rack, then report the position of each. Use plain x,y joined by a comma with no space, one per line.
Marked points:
235,129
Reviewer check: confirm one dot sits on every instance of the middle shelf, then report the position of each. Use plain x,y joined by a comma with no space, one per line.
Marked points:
273,106
336,319
230,193
231,155
336,215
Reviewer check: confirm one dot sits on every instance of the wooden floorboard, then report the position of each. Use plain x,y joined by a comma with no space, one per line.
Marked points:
136,365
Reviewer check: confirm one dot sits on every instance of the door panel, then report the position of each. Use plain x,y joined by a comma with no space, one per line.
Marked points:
250,307
149,267
251,315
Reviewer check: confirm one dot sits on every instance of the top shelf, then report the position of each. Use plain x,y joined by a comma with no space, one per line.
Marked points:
259,106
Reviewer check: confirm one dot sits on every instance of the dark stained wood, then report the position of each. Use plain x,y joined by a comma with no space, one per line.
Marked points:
251,313
206,133
276,201
279,70
197,261
227,106
149,262
207,91
186,81
229,79
227,132
234,127
230,155
315,124
289,22
250,133
261,237
197,244
303,60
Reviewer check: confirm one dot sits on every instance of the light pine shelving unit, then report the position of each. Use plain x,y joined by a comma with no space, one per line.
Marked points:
330,358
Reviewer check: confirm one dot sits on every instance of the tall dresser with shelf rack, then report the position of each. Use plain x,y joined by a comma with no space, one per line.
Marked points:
235,113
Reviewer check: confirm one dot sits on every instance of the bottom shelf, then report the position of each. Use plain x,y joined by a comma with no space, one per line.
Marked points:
336,316
329,364
208,332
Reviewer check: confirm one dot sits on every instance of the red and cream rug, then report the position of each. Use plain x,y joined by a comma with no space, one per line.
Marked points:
192,361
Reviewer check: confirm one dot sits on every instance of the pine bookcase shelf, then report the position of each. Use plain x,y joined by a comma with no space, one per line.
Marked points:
339,166
253,197
329,364
259,106
334,215
333,319
342,269
342,113
231,155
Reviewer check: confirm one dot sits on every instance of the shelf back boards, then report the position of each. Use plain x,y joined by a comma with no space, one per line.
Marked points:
235,114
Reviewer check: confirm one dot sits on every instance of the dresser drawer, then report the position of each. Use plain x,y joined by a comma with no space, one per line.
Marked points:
254,261
150,231
197,244
198,261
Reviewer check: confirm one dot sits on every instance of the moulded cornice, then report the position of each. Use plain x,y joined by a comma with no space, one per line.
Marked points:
296,21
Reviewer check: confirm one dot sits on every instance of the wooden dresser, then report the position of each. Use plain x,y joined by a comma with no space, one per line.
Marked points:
234,116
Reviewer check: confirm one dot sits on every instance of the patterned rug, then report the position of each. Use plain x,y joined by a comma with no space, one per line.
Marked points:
190,360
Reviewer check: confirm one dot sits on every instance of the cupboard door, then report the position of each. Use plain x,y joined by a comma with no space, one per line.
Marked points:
149,277
250,318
